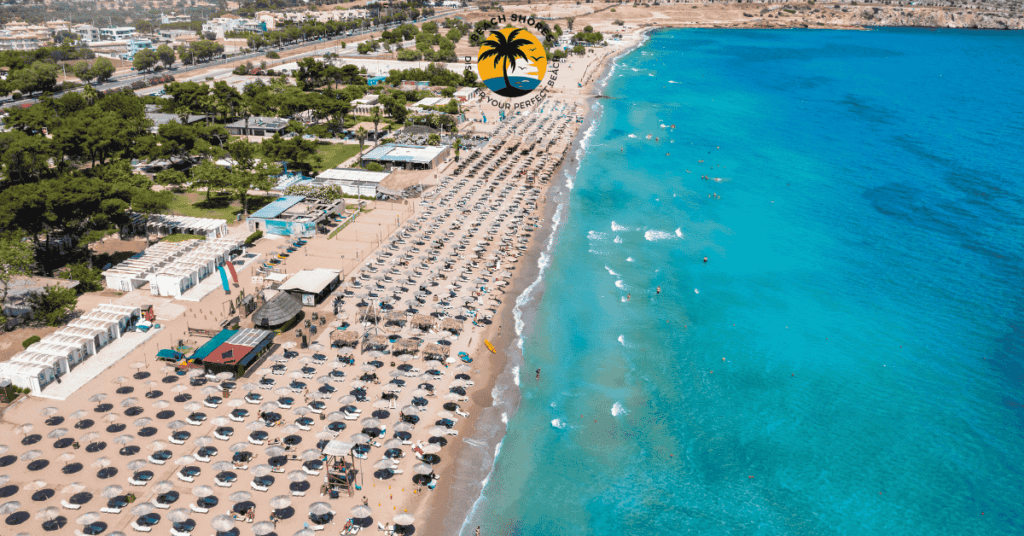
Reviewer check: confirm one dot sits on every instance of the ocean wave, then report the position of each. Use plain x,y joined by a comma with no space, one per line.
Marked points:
596,252
653,235
557,423
620,285
616,227
569,183
622,340
629,259
596,235
674,82
610,271
679,232
696,291
515,374
617,410
542,263
631,136
618,240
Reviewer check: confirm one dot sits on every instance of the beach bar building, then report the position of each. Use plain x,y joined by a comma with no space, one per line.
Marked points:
352,181
279,309
312,286
292,216
234,350
395,156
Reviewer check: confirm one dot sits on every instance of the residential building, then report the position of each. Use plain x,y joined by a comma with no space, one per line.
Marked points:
117,33
87,32
174,18
135,45
258,126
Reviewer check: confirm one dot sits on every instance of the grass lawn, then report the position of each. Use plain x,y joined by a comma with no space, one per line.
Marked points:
223,206
336,153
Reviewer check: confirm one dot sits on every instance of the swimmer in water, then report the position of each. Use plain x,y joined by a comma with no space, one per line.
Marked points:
538,374
705,260
628,296
659,290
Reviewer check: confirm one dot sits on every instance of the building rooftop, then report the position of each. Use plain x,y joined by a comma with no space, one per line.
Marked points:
350,175
256,121
277,207
310,281
405,153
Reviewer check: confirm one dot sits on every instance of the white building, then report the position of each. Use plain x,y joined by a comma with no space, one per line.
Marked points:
87,32
117,33
174,18
169,224
221,25
352,181
365,105
466,94
131,274
58,353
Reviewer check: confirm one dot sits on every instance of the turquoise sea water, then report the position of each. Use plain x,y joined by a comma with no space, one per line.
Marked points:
850,360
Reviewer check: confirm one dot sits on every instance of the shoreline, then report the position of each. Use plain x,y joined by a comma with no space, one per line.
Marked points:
498,401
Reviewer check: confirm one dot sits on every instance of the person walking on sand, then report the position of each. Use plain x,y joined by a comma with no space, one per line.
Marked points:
365,502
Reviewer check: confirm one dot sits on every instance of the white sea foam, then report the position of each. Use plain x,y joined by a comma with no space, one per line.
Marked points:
542,263
617,410
616,227
610,271
622,340
596,235
515,374
673,82
557,423
618,240
553,404
696,291
569,183
631,136
679,232
634,69
504,420
629,259
663,125
654,235
622,299
620,285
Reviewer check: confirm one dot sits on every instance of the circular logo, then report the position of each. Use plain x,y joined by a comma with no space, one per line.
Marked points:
512,62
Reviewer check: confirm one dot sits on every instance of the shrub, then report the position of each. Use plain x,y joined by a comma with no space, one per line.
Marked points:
30,341
273,55
254,237
373,166
53,305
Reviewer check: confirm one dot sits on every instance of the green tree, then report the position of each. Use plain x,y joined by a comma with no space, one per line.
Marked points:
433,139
82,70
247,173
505,51
361,134
569,21
89,279
209,176
374,166
53,305
25,158
145,59
170,177
102,69
37,77
457,144
375,118
166,55
16,260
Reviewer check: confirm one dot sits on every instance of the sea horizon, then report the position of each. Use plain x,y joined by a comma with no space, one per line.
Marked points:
785,393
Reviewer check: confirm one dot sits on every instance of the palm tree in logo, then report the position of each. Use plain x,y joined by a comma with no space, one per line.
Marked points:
505,50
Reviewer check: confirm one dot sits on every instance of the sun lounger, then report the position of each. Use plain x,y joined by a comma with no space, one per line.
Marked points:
177,532
309,471
109,510
134,482
175,441
277,469
221,437
160,505
297,493
350,416
184,478
140,528
70,506
199,510
222,484
258,487
236,418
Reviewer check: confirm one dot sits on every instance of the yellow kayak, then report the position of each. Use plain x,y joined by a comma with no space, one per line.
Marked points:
489,346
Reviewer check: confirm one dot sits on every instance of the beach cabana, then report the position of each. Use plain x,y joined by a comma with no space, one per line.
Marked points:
423,322
340,338
312,286
33,376
376,342
277,311
405,346
452,325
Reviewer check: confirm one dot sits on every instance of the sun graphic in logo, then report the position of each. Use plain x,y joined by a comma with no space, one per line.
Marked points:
512,62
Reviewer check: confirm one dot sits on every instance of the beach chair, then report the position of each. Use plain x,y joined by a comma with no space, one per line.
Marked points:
297,493
184,478
177,532
199,510
256,486
175,441
160,505
222,483
134,482
70,506
140,528
219,436
309,471
155,461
